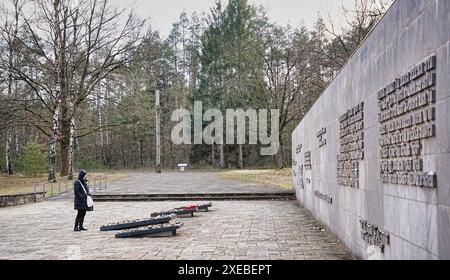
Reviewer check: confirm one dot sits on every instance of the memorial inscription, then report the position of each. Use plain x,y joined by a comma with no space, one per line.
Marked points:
406,118
297,171
300,174
324,197
373,235
308,165
320,136
351,146
298,149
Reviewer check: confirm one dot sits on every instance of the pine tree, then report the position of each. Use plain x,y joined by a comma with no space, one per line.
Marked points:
34,159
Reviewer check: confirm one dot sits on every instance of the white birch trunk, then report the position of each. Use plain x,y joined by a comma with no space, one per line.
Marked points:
17,146
71,147
8,167
52,147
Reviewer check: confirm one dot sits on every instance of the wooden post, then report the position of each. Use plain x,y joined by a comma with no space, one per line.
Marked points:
158,132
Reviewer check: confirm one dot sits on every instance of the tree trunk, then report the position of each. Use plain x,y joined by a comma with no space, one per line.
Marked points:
213,155
17,144
227,157
66,112
222,156
71,147
186,153
101,132
8,163
253,156
240,157
52,146
150,152
8,167
123,155
172,161
64,131
133,148
141,152
62,93
280,155
107,151
65,144
163,154
158,133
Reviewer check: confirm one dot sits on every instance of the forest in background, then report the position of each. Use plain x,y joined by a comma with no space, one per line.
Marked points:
77,82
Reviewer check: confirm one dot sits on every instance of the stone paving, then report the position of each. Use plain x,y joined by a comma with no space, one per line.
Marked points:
232,230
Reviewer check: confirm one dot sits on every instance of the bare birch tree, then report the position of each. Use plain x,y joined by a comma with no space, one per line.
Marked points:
77,46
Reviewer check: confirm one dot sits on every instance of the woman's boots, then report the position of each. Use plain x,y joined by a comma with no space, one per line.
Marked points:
79,224
79,220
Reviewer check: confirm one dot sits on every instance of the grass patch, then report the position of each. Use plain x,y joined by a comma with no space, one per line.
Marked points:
19,184
275,177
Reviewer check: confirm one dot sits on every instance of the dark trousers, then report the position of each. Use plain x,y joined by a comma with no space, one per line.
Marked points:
79,220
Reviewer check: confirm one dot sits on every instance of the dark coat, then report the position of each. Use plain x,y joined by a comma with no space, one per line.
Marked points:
80,201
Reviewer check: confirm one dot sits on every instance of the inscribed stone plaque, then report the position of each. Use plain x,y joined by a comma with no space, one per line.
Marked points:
351,146
407,119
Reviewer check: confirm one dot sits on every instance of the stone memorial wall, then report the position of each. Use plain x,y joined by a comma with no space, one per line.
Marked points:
377,173
351,149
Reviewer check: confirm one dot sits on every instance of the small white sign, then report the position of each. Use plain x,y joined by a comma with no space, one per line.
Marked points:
182,166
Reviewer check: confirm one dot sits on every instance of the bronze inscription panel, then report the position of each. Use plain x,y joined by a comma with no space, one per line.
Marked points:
351,146
407,117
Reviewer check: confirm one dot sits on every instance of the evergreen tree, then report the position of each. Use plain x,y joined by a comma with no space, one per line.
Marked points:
34,159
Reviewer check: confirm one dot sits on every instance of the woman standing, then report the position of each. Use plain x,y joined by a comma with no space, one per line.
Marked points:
81,191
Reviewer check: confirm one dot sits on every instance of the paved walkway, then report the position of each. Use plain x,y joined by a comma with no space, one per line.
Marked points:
232,230
189,182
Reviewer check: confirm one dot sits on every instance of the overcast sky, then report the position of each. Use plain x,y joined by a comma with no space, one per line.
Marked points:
163,13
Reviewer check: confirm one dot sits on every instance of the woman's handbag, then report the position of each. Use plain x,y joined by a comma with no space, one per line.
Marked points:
89,200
